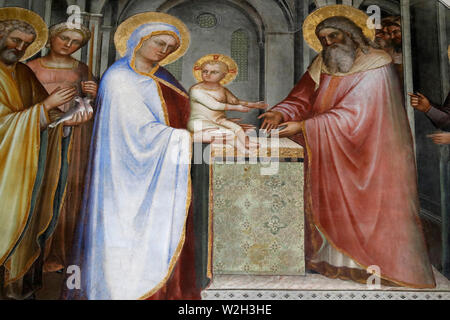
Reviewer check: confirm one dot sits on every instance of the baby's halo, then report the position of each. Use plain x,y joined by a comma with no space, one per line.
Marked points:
216,58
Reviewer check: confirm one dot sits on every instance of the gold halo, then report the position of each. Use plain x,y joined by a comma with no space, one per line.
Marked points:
127,27
33,19
319,15
232,67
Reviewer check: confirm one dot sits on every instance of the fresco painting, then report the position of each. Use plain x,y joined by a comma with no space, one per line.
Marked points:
221,149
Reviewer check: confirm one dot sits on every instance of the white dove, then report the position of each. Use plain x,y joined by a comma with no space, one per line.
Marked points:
82,107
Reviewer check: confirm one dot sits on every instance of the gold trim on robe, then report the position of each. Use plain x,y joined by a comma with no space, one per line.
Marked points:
20,142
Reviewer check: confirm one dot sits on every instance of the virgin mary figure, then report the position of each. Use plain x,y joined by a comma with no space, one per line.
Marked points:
135,234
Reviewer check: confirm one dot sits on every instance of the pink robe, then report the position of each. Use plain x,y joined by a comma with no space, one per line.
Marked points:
60,244
361,183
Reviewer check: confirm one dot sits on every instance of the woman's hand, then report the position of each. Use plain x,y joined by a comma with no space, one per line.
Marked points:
290,129
271,120
420,102
212,135
59,97
440,137
89,88
79,118
83,115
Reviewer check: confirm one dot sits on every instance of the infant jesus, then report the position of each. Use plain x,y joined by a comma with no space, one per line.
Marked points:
209,99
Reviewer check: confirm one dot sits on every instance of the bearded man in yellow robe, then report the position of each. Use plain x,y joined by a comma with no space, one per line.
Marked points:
33,158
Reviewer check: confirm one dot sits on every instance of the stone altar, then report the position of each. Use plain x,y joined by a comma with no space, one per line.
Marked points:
256,216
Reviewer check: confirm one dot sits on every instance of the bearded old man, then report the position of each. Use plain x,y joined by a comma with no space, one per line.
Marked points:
360,188
33,159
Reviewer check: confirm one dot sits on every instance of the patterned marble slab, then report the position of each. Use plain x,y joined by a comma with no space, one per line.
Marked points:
321,295
268,147
257,219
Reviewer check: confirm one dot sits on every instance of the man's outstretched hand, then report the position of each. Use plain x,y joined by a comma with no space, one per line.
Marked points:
272,120
290,128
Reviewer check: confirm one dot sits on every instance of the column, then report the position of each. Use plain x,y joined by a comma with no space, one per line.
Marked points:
357,3
407,61
93,22
94,26
106,38
444,168
82,53
107,33
299,45
279,71
47,19
306,48
320,3
444,161
81,4
444,59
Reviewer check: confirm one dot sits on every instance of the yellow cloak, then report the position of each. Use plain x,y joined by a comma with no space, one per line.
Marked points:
30,168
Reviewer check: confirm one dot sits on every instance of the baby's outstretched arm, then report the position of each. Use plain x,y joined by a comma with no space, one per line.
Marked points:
211,103
255,105
237,107
232,99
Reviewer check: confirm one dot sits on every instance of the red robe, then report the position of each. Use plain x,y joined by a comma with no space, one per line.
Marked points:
361,183
181,285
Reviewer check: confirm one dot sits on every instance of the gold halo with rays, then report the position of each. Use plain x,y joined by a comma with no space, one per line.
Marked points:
232,67
127,27
34,20
312,21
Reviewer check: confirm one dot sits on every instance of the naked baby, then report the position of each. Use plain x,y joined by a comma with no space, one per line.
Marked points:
209,99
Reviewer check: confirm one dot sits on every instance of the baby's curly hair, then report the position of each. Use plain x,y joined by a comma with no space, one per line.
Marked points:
223,65
8,26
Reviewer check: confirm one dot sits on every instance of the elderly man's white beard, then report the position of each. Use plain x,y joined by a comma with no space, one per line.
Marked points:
340,57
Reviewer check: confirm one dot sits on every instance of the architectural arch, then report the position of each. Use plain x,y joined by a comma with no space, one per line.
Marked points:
391,7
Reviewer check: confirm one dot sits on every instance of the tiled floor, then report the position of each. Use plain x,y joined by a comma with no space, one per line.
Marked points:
308,282
315,287
53,283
